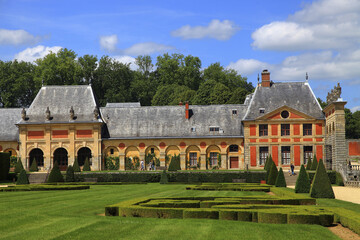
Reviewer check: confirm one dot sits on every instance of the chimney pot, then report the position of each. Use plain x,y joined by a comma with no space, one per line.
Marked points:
265,78
187,115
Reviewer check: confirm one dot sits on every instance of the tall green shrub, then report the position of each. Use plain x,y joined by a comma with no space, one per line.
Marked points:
272,174
34,167
314,163
76,166
339,180
164,178
4,165
18,166
321,186
175,163
22,178
303,182
55,174
309,163
87,165
280,180
268,163
70,175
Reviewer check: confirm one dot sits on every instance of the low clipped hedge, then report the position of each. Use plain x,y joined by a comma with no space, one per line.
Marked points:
174,177
231,187
95,183
42,187
348,218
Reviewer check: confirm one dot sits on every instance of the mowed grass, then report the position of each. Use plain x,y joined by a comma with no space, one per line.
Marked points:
75,215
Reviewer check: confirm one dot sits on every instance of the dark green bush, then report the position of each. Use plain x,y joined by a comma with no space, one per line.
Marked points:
201,213
112,163
339,180
280,180
86,166
272,217
4,165
174,163
129,164
13,161
272,174
34,167
70,175
302,182
309,163
22,178
321,186
164,178
314,163
331,175
76,166
55,174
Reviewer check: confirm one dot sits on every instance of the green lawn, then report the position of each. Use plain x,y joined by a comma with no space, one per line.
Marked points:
74,215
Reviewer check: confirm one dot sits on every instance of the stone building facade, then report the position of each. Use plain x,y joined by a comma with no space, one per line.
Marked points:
281,119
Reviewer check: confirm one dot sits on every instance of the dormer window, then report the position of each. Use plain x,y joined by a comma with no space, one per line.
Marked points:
234,112
214,129
262,110
193,129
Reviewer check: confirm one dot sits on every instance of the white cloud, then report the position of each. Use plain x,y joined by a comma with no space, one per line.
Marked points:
216,29
31,54
354,109
109,42
17,37
247,66
324,24
146,48
126,60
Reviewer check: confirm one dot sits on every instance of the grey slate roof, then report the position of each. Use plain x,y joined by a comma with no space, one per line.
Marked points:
124,104
59,99
169,121
296,95
8,118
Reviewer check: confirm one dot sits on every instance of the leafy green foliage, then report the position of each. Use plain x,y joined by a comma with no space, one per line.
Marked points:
55,174
302,182
70,175
76,166
18,166
314,163
22,178
309,163
175,163
280,180
339,179
112,163
352,124
272,174
86,166
34,167
164,178
321,186
4,165
129,164
219,160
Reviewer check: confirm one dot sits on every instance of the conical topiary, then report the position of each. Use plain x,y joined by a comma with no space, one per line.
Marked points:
309,163
76,166
314,163
272,174
164,178
303,182
87,165
280,180
175,163
55,174
70,176
34,167
18,166
22,178
266,162
321,186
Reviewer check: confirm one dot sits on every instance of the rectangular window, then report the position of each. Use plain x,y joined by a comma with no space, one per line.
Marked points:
285,129
193,129
111,151
214,129
233,148
263,130
213,158
308,153
264,153
262,110
152,150
234,111
193,158
285,155
307,129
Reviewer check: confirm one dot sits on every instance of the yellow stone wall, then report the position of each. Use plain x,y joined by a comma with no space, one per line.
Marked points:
10,146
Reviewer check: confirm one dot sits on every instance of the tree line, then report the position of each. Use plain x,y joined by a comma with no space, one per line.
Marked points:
172,79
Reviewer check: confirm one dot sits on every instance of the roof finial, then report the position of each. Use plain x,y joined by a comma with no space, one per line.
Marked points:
258,79
48,114
23,114
307,77
72,113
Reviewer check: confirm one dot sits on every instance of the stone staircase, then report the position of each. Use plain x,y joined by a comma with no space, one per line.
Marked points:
37,177
291,180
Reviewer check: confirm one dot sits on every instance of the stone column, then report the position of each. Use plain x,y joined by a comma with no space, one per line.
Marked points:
162,158
203,161
223,161
122,161
183,160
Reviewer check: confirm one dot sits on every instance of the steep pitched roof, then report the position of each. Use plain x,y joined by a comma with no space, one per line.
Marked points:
296,95
124,104
169,121
60,99
8,118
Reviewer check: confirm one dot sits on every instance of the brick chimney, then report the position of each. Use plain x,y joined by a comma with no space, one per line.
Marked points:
265,78
187,115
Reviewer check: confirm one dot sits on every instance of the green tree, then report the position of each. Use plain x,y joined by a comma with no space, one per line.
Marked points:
321,186
314,163
88,65
322,103
302,182
309,163
55,174
86,166
76,166
70,175
273,173
18,166
34,166
280,180
352,124
164,178
22,178
220,94
238,96
171,95
203,94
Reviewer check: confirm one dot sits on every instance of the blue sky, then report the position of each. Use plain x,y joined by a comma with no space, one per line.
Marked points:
289,38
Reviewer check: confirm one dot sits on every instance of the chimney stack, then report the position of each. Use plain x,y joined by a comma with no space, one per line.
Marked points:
265,78
187,115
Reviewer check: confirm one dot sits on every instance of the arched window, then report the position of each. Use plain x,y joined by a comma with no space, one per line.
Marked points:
38,155
82,154
61,157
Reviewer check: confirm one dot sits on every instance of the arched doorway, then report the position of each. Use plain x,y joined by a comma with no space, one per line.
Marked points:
38,155
61,157
82,154
11,151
